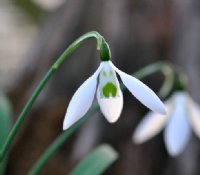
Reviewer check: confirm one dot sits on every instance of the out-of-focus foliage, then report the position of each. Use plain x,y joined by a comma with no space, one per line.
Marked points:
96,162
31,9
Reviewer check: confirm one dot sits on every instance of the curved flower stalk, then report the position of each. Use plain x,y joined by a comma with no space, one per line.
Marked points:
183,115
103,47
109,95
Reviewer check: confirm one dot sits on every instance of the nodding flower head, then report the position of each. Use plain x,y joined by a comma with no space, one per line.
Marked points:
109,95
183,115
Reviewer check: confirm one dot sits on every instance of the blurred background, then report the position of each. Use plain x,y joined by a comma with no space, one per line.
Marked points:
33,33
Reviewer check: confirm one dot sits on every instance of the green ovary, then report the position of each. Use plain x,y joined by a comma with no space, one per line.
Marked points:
108,89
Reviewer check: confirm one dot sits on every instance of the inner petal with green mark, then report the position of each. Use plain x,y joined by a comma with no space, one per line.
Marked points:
109,89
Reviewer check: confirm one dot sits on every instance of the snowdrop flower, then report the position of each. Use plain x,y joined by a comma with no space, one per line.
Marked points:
183,115
105,84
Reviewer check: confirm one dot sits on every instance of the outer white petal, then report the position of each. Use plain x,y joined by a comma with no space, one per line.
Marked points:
111,107
178,130
194,116
81,100
143,93
152,124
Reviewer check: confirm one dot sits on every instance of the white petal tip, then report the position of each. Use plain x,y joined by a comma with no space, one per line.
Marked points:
69,121
158,106
111,107
64,128
112,120
174,152
137,139
66,125
163,110
140,136
110,117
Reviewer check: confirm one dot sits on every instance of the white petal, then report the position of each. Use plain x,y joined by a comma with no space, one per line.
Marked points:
152,124
178,130
194,116
111,107
143,93
81,100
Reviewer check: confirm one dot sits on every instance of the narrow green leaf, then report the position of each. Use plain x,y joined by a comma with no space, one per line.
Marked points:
5,121
96,162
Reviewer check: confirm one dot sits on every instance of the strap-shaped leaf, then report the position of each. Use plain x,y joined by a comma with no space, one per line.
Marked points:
96,162
5,121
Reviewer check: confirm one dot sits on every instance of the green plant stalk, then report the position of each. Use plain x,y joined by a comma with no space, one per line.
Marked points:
23,114
76,44
60,140
148,70
42,84
168,71
5,123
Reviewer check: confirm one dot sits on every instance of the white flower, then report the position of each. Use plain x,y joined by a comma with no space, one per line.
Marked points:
109,95
183,114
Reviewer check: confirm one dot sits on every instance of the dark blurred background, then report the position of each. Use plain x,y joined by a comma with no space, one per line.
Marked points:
33,33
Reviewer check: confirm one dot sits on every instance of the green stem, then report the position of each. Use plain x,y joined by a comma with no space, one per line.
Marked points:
181,83
60,140
169,73
24,113
146,71
76,44
5,123
44,81
166,68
